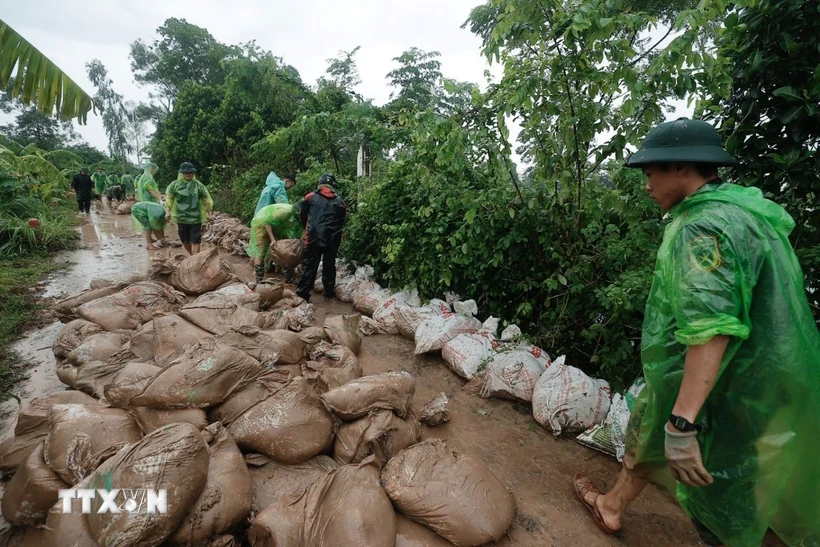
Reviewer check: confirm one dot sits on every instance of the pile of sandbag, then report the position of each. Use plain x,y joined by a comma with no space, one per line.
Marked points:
609,437
131,307
195,275
227,233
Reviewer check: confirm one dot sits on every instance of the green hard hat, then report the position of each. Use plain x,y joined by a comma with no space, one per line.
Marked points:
682,141
187,167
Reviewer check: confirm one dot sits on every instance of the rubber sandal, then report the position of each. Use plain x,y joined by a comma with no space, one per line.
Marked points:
584,486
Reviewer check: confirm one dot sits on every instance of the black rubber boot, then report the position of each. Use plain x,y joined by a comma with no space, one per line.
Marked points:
260,272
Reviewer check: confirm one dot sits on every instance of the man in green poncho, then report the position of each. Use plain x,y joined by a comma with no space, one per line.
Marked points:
147,189
730,355
187,202
99,179
127,182
149,218
112,180
270,223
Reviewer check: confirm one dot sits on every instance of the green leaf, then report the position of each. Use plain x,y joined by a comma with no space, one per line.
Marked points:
512,212
562,280
470,216
787,92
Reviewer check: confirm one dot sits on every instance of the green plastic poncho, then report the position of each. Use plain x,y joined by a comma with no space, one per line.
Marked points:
99,183
273,192
128,181
147,216
188,201
284,222
111,180
726,267
146,183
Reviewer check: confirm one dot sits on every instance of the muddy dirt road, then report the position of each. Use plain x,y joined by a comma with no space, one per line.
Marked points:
537,468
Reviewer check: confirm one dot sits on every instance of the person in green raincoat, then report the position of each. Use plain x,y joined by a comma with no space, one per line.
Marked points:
270,223
127,182
731,358
187,203
275,190
149,219
99,179
147,189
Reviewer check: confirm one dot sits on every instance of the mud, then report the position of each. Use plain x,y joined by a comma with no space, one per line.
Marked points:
537,468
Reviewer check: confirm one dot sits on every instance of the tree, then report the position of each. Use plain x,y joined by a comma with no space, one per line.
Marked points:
114,116
136,118
32,126
417,80
183,53
343,71
38,80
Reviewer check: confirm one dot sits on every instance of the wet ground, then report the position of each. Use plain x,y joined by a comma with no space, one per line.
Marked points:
536,467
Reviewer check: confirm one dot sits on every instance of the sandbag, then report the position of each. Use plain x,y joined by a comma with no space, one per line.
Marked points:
71,335
408,318
265,385
280,524
165,338
273,346
226,499
131,307
381,433
99,347
123,209
387,309
218,314
332,366
435,412
92,377
31,492
241,294
368,302
65,308
453,494
71,529
270,292
32,427
432,334
411,534
566,399
150,419
512,375
290,426
174,458
287,253
295,319
80,436
344,330
205,375
346,288
274,481
201,273
388,390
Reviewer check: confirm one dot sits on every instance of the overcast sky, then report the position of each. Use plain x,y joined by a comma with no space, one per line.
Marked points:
303,33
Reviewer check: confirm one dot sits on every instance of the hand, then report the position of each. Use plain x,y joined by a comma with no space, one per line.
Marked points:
168,216
682,452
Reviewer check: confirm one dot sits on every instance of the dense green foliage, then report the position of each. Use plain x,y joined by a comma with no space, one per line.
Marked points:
567,248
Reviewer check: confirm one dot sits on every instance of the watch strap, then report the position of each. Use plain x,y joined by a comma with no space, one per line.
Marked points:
682,424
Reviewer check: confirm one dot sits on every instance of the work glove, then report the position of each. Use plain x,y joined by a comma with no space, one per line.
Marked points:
682,453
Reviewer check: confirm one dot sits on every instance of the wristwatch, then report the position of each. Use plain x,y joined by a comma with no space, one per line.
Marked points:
682,424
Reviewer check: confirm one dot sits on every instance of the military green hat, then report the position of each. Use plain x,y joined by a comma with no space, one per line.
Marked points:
187,167
83,169
682,141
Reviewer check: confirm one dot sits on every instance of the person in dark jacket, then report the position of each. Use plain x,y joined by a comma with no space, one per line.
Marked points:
323,216
82,186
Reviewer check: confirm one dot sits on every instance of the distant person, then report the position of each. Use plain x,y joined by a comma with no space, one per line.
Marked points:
187,202
323,216
147,187
270,223
83,186
111,180
127,182
115,192
99,179
275,190
149,219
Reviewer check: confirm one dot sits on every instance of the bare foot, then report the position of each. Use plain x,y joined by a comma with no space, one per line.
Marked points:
151,248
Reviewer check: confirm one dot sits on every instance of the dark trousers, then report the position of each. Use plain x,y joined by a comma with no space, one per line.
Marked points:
84,203
310,267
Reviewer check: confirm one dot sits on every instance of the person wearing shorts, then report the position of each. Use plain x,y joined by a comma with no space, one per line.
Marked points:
187,203
149,219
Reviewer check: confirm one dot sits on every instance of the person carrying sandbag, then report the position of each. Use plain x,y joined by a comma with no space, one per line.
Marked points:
269,224
275,190
149,219
127,182
147,189
730,353
323,216
187,203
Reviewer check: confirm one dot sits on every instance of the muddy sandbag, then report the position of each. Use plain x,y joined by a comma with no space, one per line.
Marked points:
280,524
344,330
331,366
71,335
273,346
92,377
174,458
32,427
132,307
453,494
512,375
201,273
385,314
71,529
218,313
123,209
65,308
274,481
411,534
226,499
241,293
165,338
435,412
388,390
270,292
205,375
381,433
150,419
290,426
241,400
432,334
31,492
81,436
287,253
295,319
99,347
408,318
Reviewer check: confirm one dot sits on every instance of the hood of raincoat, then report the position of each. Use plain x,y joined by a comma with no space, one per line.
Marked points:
151,168
274,180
